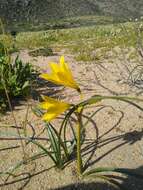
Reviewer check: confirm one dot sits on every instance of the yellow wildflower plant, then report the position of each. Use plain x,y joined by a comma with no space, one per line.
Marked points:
53,107
61,75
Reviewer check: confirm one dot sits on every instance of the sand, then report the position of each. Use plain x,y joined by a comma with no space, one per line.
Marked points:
118,126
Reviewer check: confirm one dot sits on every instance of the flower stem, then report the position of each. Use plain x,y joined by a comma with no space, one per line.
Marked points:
79,157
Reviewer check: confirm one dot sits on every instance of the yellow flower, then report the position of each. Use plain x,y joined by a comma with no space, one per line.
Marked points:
53,107
61,75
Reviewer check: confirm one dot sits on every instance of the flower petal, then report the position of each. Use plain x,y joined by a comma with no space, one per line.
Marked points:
51,77
55,67
62,60
49,116
61,75
53,107
45,105
49,99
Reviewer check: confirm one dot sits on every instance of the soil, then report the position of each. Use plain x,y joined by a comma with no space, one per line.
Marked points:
117,125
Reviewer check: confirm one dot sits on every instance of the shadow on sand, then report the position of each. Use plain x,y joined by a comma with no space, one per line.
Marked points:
121,183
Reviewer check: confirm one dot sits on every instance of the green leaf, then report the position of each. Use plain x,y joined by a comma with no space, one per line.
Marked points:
26,85
55,144
125,171
44,149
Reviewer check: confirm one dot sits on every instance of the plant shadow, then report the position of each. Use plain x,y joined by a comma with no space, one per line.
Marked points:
41,87
116,182
127,138
46,88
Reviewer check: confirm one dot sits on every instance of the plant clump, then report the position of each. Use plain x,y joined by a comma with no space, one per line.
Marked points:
16,77
41,52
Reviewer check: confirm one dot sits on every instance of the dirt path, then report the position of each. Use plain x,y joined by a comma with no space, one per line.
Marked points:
119,126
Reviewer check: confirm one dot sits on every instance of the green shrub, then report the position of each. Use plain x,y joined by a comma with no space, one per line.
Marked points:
41,52
16,77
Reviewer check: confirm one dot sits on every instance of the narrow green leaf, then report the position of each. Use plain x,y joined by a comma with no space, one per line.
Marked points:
44,149
125,171
55,145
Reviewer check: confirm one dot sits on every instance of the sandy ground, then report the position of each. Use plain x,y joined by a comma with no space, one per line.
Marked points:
118,125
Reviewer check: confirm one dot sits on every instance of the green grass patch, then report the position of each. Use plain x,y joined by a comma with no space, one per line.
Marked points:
83,41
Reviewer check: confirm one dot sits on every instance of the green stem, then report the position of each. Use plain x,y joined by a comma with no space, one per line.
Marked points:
79,157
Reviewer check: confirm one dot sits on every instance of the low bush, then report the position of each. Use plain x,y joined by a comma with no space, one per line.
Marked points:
41,52
16,77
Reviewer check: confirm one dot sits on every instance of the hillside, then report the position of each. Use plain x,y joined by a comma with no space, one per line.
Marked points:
35,10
